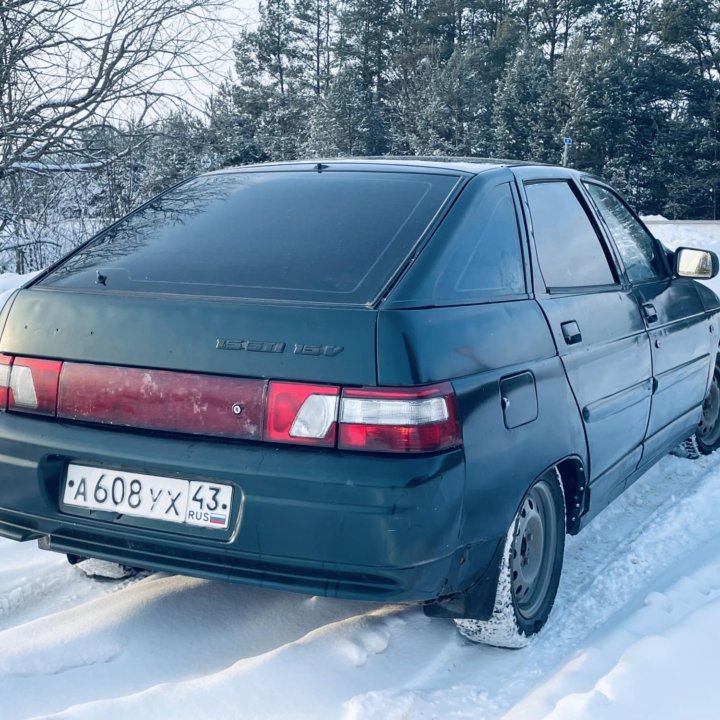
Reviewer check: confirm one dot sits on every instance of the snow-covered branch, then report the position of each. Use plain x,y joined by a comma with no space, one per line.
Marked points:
64,63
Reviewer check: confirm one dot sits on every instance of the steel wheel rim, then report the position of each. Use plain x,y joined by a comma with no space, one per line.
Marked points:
533,550
709,428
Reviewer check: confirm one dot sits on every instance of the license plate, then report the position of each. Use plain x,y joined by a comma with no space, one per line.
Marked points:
190,502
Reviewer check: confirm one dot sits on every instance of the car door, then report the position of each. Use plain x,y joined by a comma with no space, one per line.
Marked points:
596,323
681,342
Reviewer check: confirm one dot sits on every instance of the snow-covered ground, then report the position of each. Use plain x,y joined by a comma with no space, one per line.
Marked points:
635,633
10,281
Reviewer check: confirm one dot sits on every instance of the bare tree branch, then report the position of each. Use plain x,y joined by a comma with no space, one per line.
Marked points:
67,63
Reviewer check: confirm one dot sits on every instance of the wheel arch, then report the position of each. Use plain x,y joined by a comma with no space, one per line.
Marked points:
477,600
573,478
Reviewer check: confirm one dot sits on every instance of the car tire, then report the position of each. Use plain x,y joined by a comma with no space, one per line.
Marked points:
707,435
530,569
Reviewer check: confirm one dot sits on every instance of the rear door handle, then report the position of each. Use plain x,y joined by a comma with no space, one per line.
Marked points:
650,312
571,332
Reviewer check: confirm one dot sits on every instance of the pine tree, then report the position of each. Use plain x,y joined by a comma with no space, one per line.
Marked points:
177,151
366,32
315,30
347,121
449,111
690,29
231,131
610,116
520,123
270,88
556,20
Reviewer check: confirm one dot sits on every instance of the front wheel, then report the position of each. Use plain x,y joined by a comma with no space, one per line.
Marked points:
707,435
530,569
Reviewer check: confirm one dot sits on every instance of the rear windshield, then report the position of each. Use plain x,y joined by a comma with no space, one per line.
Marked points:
333,236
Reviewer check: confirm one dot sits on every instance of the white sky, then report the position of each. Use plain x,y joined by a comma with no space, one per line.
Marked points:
237,14
215,60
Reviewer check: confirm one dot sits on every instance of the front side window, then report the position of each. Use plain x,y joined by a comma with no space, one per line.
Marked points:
569,249
637,248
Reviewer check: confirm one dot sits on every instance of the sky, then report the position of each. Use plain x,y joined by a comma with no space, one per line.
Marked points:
215,61
236,15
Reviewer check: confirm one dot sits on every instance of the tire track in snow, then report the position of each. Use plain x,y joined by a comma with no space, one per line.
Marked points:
48,585
159,630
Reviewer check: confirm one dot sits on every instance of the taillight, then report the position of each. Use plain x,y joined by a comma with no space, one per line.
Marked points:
399,419
392,420
34,385
302,414
5,365
162,400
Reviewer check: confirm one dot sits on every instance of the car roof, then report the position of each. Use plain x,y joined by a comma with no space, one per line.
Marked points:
467,165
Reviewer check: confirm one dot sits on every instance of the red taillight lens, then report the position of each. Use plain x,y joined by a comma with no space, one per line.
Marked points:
300,413
34,386
399,419
5,365
162,400
395,420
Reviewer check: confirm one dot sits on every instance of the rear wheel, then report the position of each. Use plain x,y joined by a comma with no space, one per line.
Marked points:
530,570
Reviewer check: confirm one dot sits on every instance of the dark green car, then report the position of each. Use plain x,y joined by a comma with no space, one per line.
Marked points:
388,380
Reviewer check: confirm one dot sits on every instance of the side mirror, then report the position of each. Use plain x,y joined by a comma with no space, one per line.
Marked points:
694,263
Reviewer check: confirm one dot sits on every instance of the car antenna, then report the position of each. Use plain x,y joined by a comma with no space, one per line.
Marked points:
320,167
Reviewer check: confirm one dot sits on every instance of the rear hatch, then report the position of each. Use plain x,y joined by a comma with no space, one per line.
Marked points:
315,344
267,275
270,273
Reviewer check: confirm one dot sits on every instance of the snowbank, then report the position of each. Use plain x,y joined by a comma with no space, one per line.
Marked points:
10,281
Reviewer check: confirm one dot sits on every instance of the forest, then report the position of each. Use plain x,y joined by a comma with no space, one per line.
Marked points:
633,84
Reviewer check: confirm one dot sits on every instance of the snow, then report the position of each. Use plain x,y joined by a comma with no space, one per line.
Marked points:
639,602
675,233
57,167
635,631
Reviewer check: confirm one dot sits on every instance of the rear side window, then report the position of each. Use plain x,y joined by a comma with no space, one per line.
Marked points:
474,256
569,250
489,258
335,236
637,248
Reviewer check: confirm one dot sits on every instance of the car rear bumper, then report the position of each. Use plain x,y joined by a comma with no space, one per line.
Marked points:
339,524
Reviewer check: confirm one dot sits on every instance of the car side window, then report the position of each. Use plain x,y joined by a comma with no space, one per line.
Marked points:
475,255
489,259
637,248
569,249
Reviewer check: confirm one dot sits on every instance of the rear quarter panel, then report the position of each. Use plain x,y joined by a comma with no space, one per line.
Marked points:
476,347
